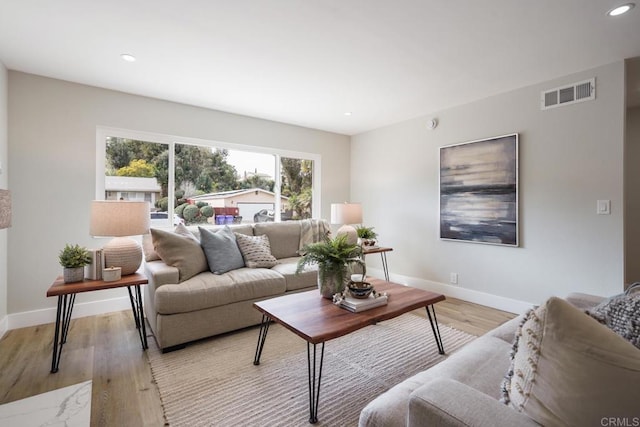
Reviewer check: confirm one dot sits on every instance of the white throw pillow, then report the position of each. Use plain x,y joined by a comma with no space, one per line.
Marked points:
568,369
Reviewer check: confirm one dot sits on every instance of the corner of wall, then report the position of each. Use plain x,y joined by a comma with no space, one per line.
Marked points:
4,183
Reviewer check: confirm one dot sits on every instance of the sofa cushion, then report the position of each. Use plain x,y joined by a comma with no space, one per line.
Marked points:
256,251
287,267
208,290
480,365
221,250
182,252
568,369
283,236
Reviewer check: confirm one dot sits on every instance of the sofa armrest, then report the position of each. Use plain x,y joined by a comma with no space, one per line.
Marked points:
158,273
445,402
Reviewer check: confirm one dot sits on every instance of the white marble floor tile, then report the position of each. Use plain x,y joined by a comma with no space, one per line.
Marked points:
65,407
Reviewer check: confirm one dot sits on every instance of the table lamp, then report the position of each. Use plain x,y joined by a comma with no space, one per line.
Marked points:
347,214
5,209
120,219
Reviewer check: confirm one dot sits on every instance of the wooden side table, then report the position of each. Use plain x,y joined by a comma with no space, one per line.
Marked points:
383,254
66,293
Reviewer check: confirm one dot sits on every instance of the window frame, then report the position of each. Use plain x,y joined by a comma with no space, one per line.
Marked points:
102,132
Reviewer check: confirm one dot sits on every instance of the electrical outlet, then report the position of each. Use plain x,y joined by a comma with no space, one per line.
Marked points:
453,278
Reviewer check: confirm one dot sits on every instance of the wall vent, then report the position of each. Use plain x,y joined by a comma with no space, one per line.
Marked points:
566,95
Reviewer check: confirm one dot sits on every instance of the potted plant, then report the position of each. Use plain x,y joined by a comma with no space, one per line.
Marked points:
73,258
333,257
367,235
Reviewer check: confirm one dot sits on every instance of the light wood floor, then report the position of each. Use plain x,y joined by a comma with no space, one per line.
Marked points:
106,349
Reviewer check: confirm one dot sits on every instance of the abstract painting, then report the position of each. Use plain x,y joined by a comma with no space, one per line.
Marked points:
479,191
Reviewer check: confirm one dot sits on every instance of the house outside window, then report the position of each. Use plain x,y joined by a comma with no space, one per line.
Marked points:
206,182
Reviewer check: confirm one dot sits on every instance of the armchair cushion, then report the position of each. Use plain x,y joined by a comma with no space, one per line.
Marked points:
444,402
568,369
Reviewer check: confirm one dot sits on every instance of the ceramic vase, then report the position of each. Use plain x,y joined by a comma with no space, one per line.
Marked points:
330,282
72,275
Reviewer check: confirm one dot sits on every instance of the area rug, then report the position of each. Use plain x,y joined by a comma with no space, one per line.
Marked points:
214,382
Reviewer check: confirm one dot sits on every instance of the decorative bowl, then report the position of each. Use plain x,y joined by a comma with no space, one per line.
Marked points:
360,289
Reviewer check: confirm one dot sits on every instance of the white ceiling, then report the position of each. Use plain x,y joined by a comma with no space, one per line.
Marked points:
307,62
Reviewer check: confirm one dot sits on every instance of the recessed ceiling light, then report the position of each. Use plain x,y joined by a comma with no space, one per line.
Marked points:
348,113
621,9
128,57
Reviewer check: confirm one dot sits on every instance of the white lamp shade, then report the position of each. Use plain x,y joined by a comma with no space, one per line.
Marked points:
346,213
119,218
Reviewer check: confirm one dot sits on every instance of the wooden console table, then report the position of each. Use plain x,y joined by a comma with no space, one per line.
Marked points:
383,253
66,293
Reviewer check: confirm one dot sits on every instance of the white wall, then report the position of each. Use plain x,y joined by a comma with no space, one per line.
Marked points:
632,196
569,158
4,184
52,134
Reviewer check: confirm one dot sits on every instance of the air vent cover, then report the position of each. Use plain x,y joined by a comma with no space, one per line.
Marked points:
566,95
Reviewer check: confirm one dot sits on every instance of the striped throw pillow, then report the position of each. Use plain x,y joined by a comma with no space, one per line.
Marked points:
256,251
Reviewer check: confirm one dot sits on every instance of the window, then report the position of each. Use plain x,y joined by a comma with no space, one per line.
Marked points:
202,182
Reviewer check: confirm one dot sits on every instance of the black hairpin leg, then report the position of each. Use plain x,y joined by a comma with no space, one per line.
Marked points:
385,266
435,328
314,388
63,319
138,314
262,336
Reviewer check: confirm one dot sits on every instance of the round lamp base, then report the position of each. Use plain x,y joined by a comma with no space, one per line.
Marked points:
123,252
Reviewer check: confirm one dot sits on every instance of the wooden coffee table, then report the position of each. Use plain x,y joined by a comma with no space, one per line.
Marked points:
318,320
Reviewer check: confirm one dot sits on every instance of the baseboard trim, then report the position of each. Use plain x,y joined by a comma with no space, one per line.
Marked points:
48,315
477,297
4,326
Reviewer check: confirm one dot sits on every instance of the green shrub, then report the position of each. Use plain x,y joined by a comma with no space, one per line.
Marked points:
190,212
179,209
206,211
200,204
163,204
179,194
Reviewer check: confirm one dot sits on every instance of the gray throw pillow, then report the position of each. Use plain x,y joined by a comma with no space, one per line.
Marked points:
221,250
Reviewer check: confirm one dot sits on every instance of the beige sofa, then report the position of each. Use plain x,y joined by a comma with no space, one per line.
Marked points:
208,304
465,389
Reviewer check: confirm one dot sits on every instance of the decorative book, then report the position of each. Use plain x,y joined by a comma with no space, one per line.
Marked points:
359,304
93,271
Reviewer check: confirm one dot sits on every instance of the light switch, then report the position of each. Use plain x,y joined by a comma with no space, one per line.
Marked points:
604,207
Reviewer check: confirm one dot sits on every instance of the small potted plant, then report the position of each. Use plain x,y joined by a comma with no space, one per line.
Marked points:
333,257
366,235
73,258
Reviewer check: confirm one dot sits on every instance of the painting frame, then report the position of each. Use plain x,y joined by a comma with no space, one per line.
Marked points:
479,191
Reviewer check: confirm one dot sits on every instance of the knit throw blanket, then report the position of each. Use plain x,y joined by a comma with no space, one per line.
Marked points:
313,230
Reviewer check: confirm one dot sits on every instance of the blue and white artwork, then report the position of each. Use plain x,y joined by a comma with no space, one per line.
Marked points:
479,191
